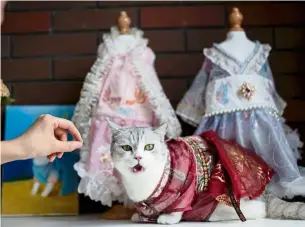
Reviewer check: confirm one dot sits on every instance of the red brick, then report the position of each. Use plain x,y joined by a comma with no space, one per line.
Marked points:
178,91
72,68
287,62
162,40
259,13
178,64
182,16
90,19
197,39
24,22
263,35
35,45
47,93
38,5
25,69
5,46
132,3
286,38
288,86
295,111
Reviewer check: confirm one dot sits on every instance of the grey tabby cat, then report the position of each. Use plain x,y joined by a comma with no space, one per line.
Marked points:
141,156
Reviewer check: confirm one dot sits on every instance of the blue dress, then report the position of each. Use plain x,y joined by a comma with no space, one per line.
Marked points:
239,101
63,169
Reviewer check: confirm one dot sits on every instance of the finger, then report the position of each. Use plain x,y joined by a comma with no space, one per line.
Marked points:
68,125
61,134
68,146
51,157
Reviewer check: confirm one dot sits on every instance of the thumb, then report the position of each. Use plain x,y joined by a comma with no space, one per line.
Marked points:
68,146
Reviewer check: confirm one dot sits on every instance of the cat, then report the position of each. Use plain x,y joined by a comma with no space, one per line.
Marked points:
142,158
44,173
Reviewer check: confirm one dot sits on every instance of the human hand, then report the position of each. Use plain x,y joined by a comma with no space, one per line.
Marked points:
48,137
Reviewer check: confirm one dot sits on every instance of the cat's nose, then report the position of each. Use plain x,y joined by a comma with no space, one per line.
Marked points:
138,158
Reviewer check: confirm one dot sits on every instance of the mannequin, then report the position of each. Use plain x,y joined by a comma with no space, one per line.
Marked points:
125,40
125,37
237,42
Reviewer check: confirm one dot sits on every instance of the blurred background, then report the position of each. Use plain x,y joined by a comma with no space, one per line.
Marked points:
48,47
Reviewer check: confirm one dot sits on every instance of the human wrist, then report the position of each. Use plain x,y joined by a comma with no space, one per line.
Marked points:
12,150
17,149
21,148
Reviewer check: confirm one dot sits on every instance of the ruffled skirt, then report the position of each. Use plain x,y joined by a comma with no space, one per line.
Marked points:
270,138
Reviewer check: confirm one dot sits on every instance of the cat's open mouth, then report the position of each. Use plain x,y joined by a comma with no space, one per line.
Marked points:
137,168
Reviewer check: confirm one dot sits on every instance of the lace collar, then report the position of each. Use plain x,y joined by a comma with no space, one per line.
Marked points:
226,61
111,45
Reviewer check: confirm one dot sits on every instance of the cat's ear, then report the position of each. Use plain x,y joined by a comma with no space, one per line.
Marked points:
114,127
161,130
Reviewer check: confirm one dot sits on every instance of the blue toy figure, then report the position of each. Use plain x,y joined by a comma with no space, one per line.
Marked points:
50,173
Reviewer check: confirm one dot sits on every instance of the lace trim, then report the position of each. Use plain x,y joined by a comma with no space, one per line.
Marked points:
93,185
272,111
253,63
89,98
260,59
109,38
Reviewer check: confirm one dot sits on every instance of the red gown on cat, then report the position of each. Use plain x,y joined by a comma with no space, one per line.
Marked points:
203,171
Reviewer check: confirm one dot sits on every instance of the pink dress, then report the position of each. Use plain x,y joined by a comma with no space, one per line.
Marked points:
124,88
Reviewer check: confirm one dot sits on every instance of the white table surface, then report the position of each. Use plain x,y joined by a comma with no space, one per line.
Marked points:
94,221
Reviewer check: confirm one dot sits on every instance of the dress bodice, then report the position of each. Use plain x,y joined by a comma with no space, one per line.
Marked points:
226,85
238,86
121,94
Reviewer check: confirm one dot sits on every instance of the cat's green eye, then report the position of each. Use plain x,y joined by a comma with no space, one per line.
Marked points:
149,147
126,148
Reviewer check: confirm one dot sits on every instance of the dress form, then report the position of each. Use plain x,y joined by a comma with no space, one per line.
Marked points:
125,40
237,42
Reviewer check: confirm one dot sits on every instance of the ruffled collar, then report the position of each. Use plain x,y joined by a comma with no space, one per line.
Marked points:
226,61
115,43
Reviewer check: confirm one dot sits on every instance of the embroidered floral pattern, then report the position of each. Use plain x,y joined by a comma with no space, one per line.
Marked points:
140,96
224,199
247,91
222,93
204,161
113,101
244,162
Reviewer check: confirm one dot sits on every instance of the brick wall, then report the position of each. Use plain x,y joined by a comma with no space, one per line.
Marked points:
48,47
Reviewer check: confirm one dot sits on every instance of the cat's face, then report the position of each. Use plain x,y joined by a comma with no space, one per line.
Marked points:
137,150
